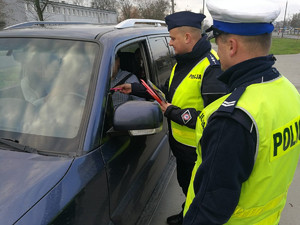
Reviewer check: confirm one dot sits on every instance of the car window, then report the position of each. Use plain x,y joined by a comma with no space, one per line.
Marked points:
132,60
161,56
44,84
171,50
126,69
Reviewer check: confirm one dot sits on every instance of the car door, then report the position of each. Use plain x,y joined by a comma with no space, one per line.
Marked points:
134,163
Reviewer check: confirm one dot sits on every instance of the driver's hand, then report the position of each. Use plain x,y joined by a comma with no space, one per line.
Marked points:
124,88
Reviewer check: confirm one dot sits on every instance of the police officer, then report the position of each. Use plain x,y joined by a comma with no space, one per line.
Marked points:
248,141
192,85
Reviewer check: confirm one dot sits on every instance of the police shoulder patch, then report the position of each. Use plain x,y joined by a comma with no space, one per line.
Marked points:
186,116
212,59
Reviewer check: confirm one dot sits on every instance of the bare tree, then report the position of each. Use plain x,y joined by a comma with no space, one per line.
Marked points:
2,14
154,9
127,10
77,2
149,9
105,4
37,8
8,13
295,21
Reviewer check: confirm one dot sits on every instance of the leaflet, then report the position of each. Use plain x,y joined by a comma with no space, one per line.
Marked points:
154,91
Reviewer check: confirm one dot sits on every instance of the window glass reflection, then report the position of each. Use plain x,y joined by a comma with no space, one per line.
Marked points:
44,85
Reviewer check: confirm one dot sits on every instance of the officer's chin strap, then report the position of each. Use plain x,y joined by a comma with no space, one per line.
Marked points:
213,32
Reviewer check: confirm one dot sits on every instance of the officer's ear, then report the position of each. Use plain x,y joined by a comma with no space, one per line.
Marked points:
233,46
188,38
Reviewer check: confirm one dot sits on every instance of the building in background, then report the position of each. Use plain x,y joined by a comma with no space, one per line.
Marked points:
18,11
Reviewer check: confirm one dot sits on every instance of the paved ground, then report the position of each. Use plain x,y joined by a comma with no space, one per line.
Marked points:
170,204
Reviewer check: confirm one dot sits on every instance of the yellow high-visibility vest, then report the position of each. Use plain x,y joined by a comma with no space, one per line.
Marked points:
274,108
188,95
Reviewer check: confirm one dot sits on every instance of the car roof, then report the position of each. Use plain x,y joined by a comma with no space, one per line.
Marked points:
79,30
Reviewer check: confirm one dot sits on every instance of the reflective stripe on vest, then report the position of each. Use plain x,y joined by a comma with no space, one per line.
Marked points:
275,111
188,95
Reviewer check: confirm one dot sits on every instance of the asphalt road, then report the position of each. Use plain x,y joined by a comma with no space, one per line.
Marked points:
170,204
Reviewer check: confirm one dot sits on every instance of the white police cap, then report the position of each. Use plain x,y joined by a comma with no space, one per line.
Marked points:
239,17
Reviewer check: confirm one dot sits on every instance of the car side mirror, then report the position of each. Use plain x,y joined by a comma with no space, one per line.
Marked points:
138,118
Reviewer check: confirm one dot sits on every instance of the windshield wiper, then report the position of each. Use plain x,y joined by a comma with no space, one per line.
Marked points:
17,145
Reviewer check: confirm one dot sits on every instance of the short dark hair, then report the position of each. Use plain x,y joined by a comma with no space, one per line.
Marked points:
262,41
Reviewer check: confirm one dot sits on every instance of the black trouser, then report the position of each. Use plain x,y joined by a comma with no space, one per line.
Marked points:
184,173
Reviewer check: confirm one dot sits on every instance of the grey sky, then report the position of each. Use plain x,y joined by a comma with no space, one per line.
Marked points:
196,6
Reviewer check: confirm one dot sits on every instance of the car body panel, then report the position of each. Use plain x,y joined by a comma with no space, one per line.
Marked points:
134,165
25,179
81,197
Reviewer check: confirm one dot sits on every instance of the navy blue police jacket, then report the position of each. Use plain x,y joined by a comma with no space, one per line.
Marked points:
235,159
211,90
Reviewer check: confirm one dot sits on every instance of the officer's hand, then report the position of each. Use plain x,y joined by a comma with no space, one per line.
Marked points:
124,88
164,106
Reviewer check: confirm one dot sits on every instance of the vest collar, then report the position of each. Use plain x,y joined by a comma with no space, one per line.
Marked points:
249,70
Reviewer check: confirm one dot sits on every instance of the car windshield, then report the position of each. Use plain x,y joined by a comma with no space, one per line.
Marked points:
44,85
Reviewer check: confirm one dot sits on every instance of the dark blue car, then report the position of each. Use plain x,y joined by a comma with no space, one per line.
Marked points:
67,155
